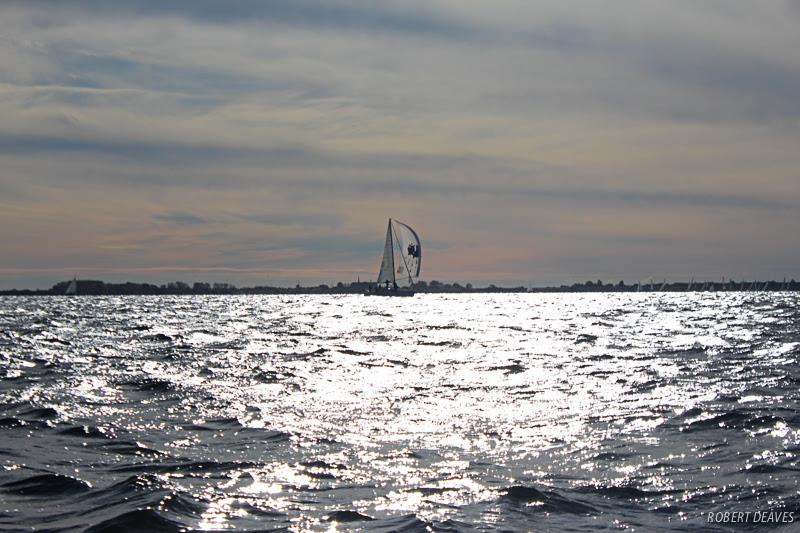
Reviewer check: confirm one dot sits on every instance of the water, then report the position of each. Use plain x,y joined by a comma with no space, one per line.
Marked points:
572,412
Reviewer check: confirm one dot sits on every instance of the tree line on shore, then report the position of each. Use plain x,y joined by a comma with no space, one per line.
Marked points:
97,287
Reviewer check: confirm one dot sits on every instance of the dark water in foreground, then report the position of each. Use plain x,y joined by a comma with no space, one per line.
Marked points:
434,413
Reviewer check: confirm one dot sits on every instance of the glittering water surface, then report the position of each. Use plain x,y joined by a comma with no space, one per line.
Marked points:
440,412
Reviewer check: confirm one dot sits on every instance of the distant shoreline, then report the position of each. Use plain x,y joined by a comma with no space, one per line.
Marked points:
101,288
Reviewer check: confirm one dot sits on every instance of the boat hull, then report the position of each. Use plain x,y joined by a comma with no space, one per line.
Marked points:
389,293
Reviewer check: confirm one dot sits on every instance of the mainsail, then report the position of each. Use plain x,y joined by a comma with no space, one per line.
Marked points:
72,288
402,256
386,274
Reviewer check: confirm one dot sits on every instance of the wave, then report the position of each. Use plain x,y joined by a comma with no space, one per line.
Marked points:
627,492
150,385
204,467
407,523
513,368
734,419
612,456
158,337
235,425
347,516
140,503
12,422
39,413
768,469
46,485
545,501
323,464
136,521
127,447
217,424
586,338
90,432
432,491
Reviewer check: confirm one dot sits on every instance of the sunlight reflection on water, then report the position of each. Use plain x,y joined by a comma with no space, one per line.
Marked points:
281,410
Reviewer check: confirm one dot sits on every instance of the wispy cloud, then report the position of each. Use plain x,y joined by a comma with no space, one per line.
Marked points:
249,135
183,219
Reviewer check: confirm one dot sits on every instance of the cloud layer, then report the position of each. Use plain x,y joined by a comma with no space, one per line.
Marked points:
268,141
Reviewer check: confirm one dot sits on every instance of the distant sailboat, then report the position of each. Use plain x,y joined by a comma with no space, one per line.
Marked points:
72,288
401,262
691,282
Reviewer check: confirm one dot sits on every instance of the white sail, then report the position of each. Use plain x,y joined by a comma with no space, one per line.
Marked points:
402,257
386,273
408,254
72,288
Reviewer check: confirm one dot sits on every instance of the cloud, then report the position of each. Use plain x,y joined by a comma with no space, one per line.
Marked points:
375,174
286,132
139,150
334,15
331,220
181,219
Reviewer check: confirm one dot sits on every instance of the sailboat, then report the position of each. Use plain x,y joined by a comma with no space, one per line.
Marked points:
72,288
401,262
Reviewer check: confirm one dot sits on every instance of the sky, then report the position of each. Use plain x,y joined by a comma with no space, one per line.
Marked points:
267,142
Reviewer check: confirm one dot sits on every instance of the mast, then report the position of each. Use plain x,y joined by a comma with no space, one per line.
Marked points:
390,231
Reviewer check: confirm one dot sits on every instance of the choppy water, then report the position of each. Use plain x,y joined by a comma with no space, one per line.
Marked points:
440,412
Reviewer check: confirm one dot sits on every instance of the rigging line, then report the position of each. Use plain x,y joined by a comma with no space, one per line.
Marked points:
405,263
